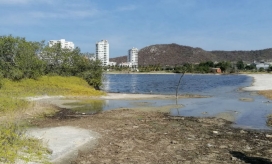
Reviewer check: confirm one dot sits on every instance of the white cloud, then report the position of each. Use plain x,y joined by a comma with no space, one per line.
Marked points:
25,2
127,8
64,14
14,2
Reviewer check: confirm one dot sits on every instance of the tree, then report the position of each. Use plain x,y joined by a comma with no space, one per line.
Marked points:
94,75
240,65
18,58
250,67
224,66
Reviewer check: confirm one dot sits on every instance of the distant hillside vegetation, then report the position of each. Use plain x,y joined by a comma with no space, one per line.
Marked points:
172,54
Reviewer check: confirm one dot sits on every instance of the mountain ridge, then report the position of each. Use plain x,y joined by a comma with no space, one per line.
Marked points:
174,54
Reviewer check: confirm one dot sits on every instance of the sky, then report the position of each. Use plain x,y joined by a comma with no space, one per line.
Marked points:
208,24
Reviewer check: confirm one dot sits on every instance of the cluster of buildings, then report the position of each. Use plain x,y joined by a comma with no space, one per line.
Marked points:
63,44
102,53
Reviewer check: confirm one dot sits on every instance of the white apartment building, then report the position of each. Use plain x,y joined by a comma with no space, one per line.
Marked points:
112,63
102,52
63,43
133,57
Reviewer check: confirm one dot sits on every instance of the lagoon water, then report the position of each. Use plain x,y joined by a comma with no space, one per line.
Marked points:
224,91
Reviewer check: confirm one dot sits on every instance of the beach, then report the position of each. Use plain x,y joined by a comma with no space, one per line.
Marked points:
260,82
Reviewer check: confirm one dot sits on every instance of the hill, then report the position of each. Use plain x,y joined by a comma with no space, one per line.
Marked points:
172,54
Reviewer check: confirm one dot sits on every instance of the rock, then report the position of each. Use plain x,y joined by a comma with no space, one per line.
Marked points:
48,150
268,136
215,132
247,148
174,142
223,146
233,158
243,132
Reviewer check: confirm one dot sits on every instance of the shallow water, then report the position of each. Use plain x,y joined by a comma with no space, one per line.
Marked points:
225,100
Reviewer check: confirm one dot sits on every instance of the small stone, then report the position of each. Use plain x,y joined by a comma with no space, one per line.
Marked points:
223,147
174,142
215,132
268,136
247,148
243,132
50,151
233,158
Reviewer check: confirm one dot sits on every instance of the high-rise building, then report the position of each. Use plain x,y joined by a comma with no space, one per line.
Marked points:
102,52
63,43
133,57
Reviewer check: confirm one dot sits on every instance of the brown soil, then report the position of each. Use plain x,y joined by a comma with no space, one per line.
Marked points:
131,136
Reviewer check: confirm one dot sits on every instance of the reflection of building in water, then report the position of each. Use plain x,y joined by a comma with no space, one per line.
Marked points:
133,83
106,86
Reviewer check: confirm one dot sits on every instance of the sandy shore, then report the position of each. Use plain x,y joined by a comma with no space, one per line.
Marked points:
261,82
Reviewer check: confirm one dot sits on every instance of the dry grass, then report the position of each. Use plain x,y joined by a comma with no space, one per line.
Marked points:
266,93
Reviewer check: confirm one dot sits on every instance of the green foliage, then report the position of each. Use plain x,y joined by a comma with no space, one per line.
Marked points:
94,74
225,66
250,67
269,69
12,92
202,68
48,85
20,59
15,145
240,65
188,67
261,69
179,69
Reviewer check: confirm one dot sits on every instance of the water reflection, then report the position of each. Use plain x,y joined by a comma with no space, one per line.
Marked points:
133,83
87,106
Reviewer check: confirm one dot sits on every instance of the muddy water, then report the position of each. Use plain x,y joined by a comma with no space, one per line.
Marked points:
228,101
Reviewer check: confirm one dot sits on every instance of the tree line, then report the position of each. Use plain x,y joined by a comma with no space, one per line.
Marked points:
203,67
21,59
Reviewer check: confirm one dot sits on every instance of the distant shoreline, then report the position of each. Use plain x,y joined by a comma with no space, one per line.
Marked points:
159,72
126,72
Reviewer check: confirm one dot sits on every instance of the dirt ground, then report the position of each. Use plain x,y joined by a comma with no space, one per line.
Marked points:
131,136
